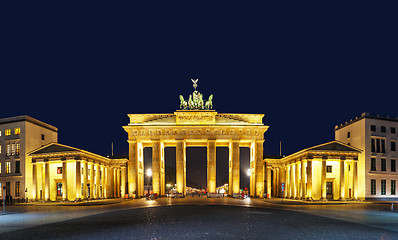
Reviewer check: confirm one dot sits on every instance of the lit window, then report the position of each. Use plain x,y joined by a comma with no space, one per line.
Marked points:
8,132
13,149
8,167
8,153
0,169
18,148
0,149
17,131
0,133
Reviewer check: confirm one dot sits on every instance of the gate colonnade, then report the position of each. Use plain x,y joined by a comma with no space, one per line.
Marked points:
187,128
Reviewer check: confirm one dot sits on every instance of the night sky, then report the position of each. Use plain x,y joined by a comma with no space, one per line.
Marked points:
83,68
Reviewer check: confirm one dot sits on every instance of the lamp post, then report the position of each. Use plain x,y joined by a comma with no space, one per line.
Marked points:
148,174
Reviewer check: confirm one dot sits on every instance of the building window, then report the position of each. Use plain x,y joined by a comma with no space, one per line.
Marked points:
13,151
373,128
383,164
392,130
393,146
8,132
373,186
0,148
348,134
383,129
59,170
393,165
8,152
383,187
17,189
18,146
0,169
328,169
392,187
373,164
17,131
17,166
378,145
0,133
42,137
8,167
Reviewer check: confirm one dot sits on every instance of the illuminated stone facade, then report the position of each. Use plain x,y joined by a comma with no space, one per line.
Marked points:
62,172
326,171
18,136
186,128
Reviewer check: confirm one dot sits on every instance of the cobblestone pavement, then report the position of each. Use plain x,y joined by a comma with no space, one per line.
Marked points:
203,217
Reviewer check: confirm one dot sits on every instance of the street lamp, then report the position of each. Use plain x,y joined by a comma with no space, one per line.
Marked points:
148,174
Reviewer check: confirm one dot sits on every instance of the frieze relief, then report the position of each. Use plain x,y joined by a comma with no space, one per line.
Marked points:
195,132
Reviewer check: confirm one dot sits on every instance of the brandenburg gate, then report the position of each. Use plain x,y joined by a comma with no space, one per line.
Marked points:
195,124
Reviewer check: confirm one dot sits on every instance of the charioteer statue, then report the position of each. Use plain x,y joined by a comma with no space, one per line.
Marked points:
195,101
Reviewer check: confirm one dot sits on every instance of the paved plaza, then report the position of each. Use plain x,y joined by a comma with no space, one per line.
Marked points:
200,218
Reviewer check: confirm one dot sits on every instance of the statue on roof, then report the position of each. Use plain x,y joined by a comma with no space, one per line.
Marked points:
195,101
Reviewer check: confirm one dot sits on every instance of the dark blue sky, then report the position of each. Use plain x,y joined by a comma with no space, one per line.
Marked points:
83,68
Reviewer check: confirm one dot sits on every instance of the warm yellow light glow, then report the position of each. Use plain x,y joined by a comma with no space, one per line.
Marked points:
149,172
8,132
17,131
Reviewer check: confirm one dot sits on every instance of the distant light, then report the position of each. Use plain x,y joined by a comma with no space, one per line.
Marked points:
248,172
149,172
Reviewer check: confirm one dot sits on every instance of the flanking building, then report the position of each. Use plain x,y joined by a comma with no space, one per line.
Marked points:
18,136
377,136
62,172
326,171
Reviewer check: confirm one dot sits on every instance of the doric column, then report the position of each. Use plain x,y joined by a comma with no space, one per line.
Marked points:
234,174
291,180
323,179
355,179
297,182
47,181
342,180
252,168
268,175
64,180
259,169
162,171
85,179
303,185
211,166
34,181
309,179
180,165
133,169
123,181
78,181
97,181
156,167
91,180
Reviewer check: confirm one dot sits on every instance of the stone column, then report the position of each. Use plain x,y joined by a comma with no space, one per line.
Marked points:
47,181
297,182
78,181
268,181
323,179
252,168
123,181
291,180
303,185
211,166
97,181
156,167
234,151
64,180
309,179
342,180
91,180
103,181
132,168
259,169
34,181
180,156
85,181
355,180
